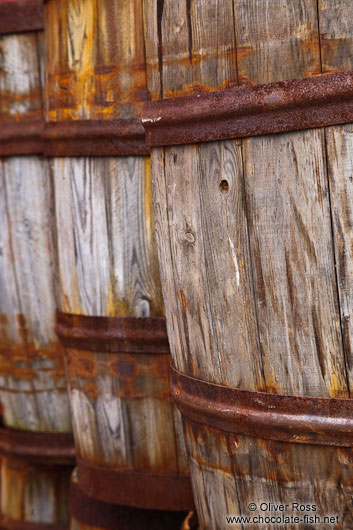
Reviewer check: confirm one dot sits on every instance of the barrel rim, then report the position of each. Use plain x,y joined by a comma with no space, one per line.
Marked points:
297,419
48,448
112,334
6,523
95,137
237,112
136,488
20,16
22,137
100,514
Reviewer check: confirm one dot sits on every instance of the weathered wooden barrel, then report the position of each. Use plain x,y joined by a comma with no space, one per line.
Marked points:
254,234
128,433
35,442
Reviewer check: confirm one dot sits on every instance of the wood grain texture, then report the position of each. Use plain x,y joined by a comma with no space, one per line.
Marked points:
107,258
95,71
34,494
340,166
336,52
20,77
336,35
190,46
31,369
276,40
291,248
204,255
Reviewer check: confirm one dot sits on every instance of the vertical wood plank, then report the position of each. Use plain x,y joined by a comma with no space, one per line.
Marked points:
340,164
106,253
336,35
95,71
276,40
291,247
190,46
336,51
20,88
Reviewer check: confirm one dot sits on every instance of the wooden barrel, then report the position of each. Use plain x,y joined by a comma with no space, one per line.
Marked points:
255,250
35,417
111,321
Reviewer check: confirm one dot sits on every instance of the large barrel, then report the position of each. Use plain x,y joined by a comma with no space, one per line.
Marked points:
35,440
254,234
128,433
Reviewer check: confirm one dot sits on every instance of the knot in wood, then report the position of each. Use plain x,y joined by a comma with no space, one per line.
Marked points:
189,237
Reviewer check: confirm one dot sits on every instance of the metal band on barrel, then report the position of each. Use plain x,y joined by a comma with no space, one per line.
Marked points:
73,138
113,334
21,138
18,16
40,447
105,515
140,489
309,420
95,138
251,110
6,523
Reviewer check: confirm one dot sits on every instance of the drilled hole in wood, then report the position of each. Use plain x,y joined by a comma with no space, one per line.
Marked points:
224,186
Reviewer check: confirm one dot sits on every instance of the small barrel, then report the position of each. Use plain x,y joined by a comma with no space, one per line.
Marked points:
35,417
255,249
128,433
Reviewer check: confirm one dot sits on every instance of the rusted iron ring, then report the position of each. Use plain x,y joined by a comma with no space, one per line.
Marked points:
113,334
251,110
41,447
100,514
311,420
12,524
21,138
95,138
18,16
140,489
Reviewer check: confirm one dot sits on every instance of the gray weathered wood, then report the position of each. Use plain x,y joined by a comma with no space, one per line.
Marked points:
31,370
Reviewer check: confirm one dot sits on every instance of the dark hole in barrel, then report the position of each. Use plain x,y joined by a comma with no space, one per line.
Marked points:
224,186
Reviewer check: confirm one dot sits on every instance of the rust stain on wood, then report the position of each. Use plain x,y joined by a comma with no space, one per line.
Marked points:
94,74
